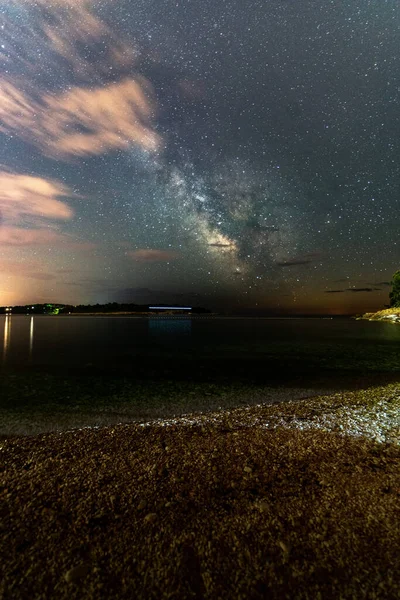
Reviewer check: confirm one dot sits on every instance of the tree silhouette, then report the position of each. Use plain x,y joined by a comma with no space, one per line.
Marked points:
395,293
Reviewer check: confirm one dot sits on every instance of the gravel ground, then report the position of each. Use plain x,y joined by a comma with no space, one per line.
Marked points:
371,414
293,500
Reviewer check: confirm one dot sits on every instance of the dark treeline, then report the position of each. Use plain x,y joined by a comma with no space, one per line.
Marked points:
110,307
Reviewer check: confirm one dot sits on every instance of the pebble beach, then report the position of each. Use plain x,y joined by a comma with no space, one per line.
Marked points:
293,499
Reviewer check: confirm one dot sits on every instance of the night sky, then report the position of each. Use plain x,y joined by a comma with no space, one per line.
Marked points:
233,154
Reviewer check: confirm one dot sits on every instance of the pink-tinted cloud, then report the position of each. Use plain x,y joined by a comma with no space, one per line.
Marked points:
25,196
152,255
67,27
29,211
76,25
66,30
41,276
30,269
93,116
82,121
18,236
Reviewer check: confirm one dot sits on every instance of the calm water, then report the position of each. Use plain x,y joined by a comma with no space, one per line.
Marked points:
73,341
64,372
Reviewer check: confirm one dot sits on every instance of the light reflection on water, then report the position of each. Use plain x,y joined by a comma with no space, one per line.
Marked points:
6,336
68,341
176,327
50,340
30,339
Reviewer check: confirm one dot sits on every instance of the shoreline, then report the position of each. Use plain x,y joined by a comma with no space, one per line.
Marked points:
55,404
275,501
389,315
372,413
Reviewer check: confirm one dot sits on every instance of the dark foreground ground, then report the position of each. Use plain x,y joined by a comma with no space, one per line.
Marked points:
214,506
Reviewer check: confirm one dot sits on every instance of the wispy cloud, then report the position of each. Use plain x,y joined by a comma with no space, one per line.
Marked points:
69,30
353,290
30,212
81,121
293,262
103,105
303,259
19,236
30,269
41,276
356,290
152,255
16,236
24,196
384,283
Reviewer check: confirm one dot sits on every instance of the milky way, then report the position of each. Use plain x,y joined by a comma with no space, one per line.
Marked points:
232,154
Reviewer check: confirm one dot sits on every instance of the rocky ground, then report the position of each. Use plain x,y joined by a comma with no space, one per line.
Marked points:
391,315
292,500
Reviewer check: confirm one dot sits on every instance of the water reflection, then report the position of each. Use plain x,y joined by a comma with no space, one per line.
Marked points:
19,333
6,336
30,339
171,327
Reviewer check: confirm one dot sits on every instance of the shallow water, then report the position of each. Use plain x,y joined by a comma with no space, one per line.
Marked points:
63,372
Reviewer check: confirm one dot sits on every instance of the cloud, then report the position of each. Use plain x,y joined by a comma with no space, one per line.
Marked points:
303,259
386,283
42,276
30,269
356,290
71,36
82,121
293,262
363,290
103,106
152,255
29,210
16,236
25,196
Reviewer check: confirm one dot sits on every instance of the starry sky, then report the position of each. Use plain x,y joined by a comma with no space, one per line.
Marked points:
239,155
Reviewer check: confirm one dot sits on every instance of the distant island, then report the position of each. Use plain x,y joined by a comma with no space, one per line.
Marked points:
109,308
